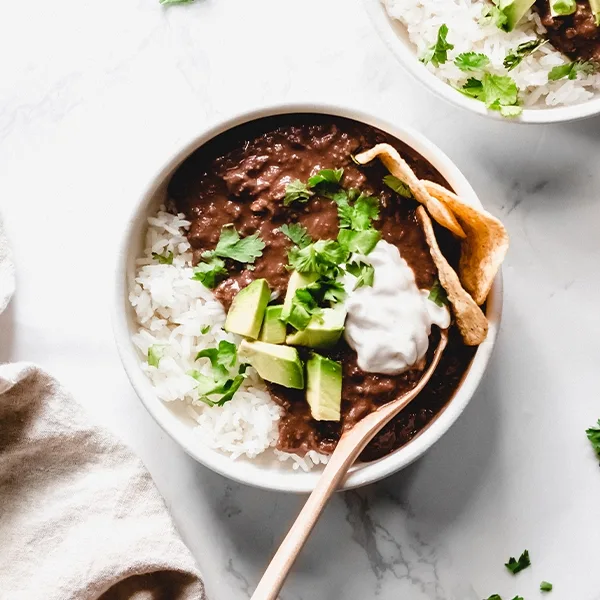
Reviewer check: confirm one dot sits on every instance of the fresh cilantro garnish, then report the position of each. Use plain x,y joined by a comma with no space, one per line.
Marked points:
572,70
231,245
163,259
210,272
364,273
518,598
204,329
155,353
362,242
221,358
471,61
296,191
167,2
498,92
397,185
359,215
437,294
515,566
563,7
227,387
304,306
297,234
515,58
495,597
326,176
593,434
493,14
546,586
438,53
323,257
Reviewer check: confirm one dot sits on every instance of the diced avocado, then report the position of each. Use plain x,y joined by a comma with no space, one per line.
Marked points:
324,388
296,282
273,330
323,331
595,6
248,309
275,363
514,10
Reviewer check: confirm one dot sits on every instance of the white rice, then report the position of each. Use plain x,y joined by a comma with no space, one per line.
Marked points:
423,19
171,310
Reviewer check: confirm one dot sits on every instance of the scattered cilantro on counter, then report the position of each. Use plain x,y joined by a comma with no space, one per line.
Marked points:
398,186
296,191
364,273
471,61
210,272
593,434
572,70
163,259
297,234
498,92
438,53
437,294
523,50
546,586
155,353
515,566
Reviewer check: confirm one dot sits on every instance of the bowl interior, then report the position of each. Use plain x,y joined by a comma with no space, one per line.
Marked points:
262,471
395,35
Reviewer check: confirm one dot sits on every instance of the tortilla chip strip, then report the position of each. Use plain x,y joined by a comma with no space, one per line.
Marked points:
485,247
470,320
399,168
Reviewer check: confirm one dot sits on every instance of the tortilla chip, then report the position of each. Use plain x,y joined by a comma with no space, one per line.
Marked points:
398,167
470,320
484,248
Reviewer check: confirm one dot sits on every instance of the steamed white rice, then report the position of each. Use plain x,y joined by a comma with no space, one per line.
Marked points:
423,19
171,310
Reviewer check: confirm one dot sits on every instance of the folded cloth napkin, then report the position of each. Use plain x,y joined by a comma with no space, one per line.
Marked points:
80,517
7,271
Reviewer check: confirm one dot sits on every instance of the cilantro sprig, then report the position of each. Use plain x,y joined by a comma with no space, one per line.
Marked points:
593,434
515,58
438,53
364,273
471,61
498,92
546,586
572,70
210,272
163,259
398,186
321,182
297,233
515,566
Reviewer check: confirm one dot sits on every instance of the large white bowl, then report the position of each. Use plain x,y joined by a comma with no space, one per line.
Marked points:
395,35
173,418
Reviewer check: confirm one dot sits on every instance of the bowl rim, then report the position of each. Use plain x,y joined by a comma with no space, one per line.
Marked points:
289,480
385,27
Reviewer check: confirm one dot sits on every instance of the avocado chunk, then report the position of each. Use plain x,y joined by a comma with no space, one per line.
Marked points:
273,330
247,310
595,6
275,363
297,281
323,331
324,388
514,11
562,8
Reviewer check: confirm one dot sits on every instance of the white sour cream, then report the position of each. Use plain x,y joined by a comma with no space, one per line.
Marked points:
388,324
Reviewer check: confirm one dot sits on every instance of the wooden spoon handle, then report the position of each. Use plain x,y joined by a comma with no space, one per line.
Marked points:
351,444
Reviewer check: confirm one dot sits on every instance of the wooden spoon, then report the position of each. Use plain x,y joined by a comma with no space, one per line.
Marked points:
351,444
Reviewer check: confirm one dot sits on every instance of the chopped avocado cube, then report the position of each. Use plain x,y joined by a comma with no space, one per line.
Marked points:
324,388
273,330
562,8
296,282
323,331
275,363
595,6
247,310
514,10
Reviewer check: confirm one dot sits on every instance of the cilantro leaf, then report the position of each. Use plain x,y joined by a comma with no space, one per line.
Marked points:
572,70
495,597
593,434
163,259
546,586
204,329
327,176
437,294
362,242
297,234
398,186
471,61
296,191
515,566
523,50
321,257
210,272
155,353
326,290
208,386
221,358
359,215
302,309
493,14
473,88
518,598
438,53
230,245
498,92
364,273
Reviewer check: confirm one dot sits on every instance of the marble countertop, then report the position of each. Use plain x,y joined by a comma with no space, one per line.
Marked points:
93,98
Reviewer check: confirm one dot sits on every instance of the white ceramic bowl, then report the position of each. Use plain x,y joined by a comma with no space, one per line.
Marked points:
394,34
172,417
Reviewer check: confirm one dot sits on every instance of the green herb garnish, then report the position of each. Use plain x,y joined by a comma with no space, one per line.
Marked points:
227,387
231,245
572,70
304,306
155,353
498,92
221,358
362,242
515,566
495,597
204,329
364,273
296,191
515,58
471,61
323,257
437,294
593,434
326,176
297,234
546,586
398,186
210,272
438,53
163,259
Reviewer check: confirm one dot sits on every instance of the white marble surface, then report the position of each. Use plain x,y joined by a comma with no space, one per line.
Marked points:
93,97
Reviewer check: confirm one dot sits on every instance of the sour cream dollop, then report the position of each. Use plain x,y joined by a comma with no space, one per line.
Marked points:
388,324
